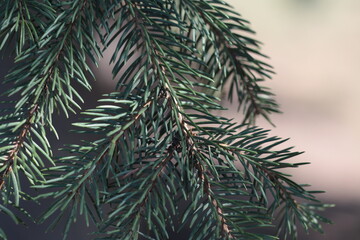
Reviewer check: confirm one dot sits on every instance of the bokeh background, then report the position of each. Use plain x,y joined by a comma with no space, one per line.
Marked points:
314,47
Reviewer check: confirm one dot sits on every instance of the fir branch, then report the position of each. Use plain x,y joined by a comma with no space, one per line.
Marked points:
17,146
158,140
231,56
226,233
45,62
39,88
23,21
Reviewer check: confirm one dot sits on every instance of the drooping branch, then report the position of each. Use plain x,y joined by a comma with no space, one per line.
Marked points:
231,57
17,146
39,97
207,192
155,145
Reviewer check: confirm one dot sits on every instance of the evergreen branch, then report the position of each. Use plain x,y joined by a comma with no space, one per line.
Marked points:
23,21
138,207
159,142
17,146
265,163
165,70
231,56
226,233
38,86
160,56
104,153
186,131
226,230
45,64
155,51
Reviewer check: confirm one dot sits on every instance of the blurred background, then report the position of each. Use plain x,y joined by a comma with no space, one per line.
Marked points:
314,47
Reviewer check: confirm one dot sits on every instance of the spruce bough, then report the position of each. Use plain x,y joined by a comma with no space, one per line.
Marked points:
159,143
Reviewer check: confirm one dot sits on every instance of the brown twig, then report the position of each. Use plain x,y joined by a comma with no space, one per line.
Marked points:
32,113
207,191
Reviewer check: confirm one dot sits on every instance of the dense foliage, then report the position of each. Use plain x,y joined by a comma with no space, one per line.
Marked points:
159,143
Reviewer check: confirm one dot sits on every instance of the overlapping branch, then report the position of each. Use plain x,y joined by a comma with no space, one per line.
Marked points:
48,63
159,143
